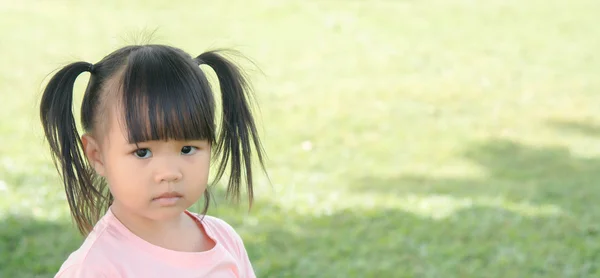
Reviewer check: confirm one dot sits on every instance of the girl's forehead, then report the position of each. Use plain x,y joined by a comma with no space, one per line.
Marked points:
113,129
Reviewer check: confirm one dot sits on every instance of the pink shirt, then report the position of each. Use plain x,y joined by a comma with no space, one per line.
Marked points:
111,250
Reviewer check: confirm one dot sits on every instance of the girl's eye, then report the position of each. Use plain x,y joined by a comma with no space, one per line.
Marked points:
142,153
187,150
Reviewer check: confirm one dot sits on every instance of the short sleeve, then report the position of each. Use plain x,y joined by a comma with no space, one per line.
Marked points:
245,264
236,247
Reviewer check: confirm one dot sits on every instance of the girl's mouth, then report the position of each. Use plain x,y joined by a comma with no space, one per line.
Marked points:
168,198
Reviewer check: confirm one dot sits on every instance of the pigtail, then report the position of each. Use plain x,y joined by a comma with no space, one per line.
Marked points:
238,130
61,132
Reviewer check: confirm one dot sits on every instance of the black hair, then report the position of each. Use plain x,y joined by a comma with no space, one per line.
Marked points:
164,94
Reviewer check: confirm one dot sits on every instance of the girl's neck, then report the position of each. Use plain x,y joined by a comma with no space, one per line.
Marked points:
180,233
139,224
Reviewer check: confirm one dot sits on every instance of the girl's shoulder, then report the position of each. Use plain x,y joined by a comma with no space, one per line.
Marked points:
86,261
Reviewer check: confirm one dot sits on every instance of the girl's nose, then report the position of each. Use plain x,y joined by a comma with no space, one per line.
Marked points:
169,177
168,172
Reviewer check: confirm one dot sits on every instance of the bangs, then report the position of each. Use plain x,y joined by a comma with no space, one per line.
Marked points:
166,96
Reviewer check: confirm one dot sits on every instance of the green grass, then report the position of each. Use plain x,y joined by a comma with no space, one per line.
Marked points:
430,138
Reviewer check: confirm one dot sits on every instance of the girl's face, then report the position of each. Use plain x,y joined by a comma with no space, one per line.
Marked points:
157,179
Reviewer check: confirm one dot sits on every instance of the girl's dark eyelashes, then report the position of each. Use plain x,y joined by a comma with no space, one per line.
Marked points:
142,153
146,152
188,150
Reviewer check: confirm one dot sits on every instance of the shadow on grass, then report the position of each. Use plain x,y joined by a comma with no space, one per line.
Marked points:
533,210
478,241
514,171
34,248
582,127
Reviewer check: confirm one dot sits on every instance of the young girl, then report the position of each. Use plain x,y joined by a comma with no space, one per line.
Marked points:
148,116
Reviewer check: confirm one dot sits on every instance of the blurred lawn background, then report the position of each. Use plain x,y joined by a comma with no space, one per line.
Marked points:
435,138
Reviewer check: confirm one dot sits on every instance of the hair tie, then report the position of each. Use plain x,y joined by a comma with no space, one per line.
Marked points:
91,68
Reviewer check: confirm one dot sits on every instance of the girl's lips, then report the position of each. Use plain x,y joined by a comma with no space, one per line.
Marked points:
168,199
168,195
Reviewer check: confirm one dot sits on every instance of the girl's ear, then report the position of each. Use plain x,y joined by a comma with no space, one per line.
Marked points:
93,154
